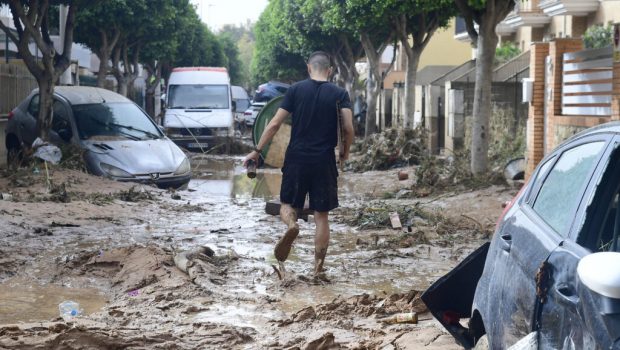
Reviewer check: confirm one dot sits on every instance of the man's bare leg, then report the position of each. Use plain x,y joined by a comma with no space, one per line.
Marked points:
288,215
321,240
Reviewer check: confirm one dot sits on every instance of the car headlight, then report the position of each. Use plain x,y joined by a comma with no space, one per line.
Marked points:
114,171
183,168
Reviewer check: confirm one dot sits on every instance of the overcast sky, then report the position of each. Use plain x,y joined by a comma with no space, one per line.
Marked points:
217,13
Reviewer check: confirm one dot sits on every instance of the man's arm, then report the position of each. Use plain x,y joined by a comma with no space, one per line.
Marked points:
269,132
347,127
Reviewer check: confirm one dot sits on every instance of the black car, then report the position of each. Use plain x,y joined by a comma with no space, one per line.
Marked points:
551,273
269,91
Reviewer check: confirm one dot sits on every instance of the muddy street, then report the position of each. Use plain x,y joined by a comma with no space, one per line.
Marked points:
129,255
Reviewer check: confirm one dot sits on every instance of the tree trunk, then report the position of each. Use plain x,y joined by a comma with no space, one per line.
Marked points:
46,94
487,43
413,60
123,84
372,93
103,68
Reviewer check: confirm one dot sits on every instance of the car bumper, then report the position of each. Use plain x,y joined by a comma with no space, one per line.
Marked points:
200,142
161,182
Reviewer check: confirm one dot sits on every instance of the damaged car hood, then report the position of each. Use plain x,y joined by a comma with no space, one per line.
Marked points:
138,157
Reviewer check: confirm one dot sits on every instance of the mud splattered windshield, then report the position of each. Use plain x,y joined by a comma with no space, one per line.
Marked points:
124,120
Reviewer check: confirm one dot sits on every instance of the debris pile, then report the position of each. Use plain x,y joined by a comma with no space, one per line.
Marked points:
390,149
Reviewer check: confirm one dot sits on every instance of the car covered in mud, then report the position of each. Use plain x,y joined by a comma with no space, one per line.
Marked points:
550,276
117,138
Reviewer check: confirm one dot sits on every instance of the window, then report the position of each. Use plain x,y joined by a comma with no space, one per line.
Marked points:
114,120
198,96
61,117
33,107
563,188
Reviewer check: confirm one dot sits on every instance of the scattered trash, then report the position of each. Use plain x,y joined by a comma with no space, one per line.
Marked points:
46,152
6,196
69,310
133,195
395,220
134,293
403,175
389,149
515,169
406,317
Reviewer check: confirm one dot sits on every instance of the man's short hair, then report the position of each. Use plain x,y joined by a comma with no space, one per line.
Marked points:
319,61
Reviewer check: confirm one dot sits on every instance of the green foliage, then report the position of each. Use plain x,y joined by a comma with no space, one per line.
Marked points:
598,36
507,51
273,60
231,57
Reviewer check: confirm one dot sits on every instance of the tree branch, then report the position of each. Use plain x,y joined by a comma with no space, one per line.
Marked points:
468,16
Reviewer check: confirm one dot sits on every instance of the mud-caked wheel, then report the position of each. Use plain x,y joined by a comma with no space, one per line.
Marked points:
14,157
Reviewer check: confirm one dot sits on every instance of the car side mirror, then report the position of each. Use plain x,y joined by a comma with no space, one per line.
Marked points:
65,134
596,272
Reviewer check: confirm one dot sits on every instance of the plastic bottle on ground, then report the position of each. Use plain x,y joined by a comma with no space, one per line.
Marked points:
406,317
69,310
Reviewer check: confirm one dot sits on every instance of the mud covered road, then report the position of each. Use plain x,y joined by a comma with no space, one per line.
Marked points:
111,247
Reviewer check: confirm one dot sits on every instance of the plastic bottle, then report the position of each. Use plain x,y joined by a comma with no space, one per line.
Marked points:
251,168
69,310
406,317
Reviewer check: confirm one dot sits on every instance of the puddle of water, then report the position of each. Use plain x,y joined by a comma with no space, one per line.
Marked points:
27,301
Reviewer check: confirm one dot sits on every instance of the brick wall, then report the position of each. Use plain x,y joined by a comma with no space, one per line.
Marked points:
536,114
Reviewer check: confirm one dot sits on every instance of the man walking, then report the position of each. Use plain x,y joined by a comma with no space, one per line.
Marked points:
310,161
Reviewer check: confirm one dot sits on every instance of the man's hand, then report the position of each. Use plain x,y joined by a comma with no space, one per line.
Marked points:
252,155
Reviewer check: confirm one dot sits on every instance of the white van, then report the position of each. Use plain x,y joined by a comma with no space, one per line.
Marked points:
199,108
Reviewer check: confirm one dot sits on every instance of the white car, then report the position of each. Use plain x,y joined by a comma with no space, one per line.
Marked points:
249,116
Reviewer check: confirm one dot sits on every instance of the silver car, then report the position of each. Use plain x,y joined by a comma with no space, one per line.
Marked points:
120,141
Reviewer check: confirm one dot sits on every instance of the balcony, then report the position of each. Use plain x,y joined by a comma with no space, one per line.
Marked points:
527,13
568,7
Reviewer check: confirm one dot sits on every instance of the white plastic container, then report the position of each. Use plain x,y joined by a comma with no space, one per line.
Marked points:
69,310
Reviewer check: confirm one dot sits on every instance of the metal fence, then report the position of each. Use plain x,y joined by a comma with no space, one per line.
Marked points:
16,83
587,82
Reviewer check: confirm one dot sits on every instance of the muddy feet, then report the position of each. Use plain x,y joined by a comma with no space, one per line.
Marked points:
283,247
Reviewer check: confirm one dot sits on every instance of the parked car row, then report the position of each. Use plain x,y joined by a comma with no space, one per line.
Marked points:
122,142
118,138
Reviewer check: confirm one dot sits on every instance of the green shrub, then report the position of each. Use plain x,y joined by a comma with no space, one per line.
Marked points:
598,36
506,51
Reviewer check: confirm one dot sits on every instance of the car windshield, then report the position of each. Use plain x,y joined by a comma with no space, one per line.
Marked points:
114,120
198,96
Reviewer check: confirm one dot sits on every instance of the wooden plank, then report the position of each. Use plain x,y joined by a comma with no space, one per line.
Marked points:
588,54
585,99
588,88
601,111
583,77
600,63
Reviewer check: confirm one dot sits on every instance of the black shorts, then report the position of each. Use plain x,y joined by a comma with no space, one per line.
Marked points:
319,180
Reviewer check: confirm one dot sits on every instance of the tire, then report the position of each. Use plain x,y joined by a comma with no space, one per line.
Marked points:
14,157
482,343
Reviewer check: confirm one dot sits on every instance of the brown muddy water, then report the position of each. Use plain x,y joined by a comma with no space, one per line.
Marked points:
224,209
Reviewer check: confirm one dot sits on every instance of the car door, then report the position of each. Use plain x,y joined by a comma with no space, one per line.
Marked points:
529,236
560,202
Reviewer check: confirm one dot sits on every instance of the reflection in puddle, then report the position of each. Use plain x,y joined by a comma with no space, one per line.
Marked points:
27,301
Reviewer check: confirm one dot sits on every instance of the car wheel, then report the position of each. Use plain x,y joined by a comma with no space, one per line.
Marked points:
482,343
14,157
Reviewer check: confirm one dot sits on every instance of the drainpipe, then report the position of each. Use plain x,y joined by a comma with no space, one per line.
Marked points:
6,48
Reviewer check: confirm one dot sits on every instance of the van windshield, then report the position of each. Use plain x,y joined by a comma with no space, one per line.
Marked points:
198,96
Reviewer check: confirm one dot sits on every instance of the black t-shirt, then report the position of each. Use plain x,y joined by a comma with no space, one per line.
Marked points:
314,113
